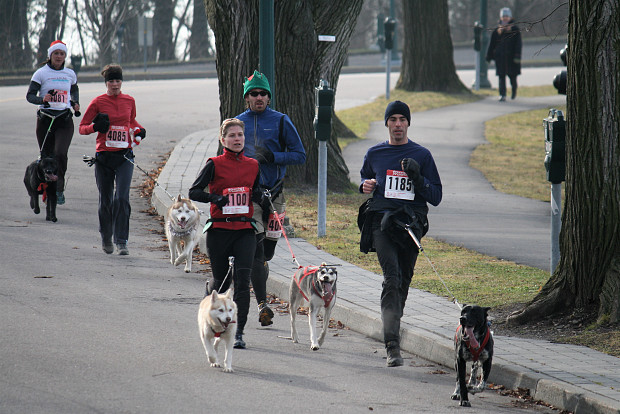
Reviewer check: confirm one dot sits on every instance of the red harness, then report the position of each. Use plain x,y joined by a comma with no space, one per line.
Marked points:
475,352
43,187
308,270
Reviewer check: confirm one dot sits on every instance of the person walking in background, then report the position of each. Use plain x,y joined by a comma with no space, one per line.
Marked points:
233,183
54,88
271,139
505,50
402,177
113,116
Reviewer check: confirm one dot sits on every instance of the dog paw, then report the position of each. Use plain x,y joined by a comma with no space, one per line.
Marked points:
314,347
52,219
188,269
455,397
37,210
228,369
465,404
215,365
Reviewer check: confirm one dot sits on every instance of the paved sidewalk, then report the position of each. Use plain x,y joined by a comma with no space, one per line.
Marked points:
570,377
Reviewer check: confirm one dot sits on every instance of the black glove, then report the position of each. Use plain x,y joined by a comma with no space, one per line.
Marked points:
101,123
264,156
412,168
141,133
265,205
218,200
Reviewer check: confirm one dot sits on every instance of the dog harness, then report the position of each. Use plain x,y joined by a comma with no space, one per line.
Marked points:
42,189
308,270
475,352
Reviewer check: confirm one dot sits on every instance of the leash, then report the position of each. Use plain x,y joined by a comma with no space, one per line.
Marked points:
147,174
420,248
267,194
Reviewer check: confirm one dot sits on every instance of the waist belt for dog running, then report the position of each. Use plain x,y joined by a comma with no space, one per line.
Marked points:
244,219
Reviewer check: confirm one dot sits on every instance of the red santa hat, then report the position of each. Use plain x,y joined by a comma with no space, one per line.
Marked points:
56,45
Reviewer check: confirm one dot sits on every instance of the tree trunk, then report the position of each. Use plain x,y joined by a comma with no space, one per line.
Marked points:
14,35
299,55
162,29
50,30
199,47
428,62
589,269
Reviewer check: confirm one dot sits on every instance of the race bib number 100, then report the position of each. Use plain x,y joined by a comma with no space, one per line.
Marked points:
398,185
238,200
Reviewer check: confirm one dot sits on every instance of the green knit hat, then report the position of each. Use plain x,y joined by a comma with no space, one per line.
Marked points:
256,81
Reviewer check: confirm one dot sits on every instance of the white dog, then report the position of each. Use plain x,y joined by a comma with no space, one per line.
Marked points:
217,321
317,285
182,222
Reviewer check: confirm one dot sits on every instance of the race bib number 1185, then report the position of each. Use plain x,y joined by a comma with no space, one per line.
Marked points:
398,185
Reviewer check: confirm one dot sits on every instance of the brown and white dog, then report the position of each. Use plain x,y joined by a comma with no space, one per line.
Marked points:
473,341
182,225
316,285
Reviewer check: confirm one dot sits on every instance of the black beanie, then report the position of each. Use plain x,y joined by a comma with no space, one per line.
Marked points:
397,107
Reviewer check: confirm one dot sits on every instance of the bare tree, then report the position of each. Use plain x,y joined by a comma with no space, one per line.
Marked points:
51,29
162,29
427,61
588,273
301,60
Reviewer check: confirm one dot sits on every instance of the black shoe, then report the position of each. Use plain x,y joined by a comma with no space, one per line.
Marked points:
265,314
122,249
239,342
502,98
514,94
394,359
107,246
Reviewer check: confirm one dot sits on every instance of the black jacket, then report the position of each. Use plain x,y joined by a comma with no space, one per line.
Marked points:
504,48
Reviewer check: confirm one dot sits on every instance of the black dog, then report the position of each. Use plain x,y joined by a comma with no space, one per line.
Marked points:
41,178
473,341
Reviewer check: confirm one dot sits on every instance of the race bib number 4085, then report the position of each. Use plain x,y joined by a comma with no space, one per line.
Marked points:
117,137
398,185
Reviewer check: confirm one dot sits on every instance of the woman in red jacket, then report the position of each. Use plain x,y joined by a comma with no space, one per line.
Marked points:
233,181
113,116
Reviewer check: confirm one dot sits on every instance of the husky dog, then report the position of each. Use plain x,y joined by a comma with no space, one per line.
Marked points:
217,321
40,178
316,285
473,341
182,222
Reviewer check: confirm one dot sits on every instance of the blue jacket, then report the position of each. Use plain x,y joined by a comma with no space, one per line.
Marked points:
383,157
263,130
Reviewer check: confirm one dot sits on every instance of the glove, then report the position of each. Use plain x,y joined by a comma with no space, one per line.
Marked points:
218,200
412,168
265,205
264,156
141,132
101,123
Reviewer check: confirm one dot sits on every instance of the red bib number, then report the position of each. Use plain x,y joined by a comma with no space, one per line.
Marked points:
238,200
398,185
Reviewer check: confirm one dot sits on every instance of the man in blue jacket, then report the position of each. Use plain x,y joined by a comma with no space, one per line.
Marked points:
402,177
272,139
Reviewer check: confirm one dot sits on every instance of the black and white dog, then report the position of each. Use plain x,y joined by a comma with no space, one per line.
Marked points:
316,285
41,178
473,341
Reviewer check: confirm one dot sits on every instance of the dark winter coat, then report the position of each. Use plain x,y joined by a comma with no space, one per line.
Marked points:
504,48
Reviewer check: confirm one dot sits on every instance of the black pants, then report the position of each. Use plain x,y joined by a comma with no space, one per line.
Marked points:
397,254
265,249
502,85
221,244
57,142
113,175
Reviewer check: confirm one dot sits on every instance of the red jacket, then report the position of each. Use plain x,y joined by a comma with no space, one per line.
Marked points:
121,110
234,175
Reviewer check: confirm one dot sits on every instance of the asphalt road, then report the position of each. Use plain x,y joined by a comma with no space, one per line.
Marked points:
86,332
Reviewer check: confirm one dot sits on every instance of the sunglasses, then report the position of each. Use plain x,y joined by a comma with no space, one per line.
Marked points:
256,93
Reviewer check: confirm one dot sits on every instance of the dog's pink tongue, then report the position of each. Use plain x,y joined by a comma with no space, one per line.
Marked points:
327,291
182,223
472,338
52,177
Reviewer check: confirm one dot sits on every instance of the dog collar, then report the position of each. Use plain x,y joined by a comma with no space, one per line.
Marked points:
175,232
308,270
